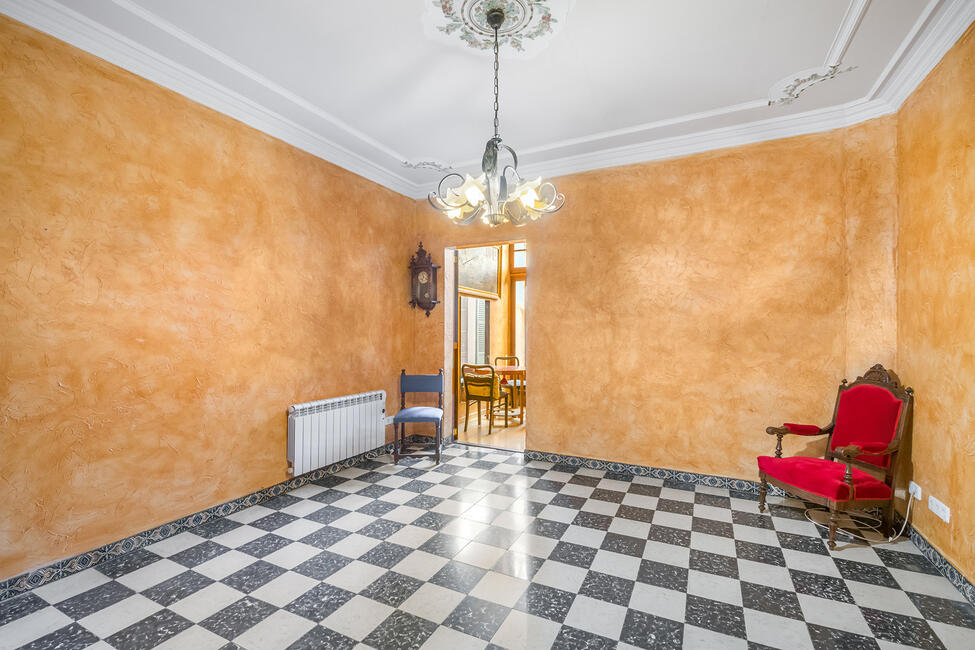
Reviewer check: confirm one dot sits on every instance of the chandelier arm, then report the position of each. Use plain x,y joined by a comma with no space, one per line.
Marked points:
470,219
439,203
440,190
553,204
516,220
514,157
555,207
442,204
513,170
441,195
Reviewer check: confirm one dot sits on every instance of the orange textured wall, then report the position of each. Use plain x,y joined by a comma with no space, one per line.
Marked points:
170,281
870,231
936,293
677,308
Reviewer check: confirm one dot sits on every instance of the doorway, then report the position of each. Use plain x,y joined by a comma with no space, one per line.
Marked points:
489,340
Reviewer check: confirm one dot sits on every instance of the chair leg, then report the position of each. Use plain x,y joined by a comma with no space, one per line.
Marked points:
490,416
479,413
506,411
396,447
439,441
832,529
762,493
467,415
888,520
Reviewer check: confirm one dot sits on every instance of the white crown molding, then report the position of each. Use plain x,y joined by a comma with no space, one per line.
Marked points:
787,126
845,32
640,129
940,26
936,31
67,25
235,65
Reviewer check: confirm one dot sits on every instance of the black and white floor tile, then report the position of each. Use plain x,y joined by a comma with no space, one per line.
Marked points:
490,550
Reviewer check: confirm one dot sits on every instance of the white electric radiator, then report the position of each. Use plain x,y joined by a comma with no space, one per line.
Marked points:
329,430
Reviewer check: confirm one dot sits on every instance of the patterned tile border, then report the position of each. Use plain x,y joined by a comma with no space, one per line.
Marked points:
737,484
953,575
26,581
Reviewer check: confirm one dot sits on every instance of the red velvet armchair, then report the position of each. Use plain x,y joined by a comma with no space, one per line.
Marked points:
858,470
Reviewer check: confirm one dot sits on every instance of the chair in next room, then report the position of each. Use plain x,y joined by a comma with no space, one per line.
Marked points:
482,384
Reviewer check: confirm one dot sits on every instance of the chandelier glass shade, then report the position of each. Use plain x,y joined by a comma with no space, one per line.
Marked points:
499,194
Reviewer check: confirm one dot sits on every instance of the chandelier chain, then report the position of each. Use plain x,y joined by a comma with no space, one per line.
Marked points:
496,123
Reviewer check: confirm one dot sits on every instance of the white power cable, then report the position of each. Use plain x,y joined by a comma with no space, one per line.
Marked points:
907,514
865,521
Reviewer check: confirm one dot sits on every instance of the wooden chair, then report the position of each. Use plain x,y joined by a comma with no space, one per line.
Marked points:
418,384
482,384
869,422
518,384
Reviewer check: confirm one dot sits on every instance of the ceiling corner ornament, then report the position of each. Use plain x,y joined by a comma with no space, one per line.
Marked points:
528,25
787,90
499,195
427,164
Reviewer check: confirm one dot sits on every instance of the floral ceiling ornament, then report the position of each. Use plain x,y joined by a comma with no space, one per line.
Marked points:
427,164
528,27
787,90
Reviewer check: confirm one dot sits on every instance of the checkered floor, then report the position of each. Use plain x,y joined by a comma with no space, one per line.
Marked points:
487,550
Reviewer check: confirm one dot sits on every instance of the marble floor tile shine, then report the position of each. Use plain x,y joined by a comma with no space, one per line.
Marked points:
493,550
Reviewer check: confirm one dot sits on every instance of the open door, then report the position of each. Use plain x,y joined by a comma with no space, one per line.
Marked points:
484,325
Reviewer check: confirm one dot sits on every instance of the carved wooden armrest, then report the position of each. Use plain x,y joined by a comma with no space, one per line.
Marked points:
794,429
849,453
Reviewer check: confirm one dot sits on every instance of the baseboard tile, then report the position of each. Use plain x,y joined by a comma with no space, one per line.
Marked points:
947,569
736,484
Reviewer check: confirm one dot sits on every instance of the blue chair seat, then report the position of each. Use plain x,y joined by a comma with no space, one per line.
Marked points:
419,414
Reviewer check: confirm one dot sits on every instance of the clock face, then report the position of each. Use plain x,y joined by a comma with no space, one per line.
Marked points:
423,277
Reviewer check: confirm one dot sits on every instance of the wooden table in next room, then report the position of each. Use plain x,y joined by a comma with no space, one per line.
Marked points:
511,373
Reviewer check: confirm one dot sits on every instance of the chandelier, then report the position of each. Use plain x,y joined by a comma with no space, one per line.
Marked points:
499,195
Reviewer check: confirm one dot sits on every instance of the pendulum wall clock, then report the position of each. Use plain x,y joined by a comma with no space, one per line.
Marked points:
423,280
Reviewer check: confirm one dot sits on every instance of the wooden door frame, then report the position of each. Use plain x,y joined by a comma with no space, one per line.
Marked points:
451,322
515,274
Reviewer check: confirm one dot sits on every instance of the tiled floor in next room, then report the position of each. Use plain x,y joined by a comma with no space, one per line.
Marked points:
490,549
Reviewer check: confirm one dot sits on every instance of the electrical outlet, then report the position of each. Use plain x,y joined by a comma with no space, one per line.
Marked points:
914,489
939,509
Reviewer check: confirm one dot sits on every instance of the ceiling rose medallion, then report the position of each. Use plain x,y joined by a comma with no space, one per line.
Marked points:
499,194
528,24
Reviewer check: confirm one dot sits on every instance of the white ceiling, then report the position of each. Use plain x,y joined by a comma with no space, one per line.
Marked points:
358,82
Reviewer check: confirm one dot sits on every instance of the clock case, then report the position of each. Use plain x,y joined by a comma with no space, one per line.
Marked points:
423,295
